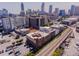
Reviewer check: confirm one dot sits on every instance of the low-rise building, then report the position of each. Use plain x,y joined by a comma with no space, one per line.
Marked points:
39,38
77,26
58,28
70,21
22,32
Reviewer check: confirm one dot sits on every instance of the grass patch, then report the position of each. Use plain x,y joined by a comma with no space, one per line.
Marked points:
29,54
58,52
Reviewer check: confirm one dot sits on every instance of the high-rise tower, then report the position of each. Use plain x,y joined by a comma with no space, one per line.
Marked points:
42,6
72,10
22,13
22,6
50,9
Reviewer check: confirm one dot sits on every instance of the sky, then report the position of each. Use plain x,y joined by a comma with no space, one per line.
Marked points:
15,7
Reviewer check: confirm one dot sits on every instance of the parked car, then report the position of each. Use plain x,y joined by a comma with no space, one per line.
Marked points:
17,53
7,50
10,52
77,44
18,44
1,51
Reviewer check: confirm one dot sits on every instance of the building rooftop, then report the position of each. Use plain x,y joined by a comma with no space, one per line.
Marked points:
57,26
24,29
71,19
77,24
37,35
32,30
46,29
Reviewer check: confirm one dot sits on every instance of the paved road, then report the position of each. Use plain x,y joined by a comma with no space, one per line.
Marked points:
71,50
51,47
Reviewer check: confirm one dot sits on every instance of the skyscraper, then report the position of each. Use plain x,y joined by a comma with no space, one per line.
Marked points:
69,11
76,12
22,6
72,10
50,9
62,13
56,12
22,13
42,6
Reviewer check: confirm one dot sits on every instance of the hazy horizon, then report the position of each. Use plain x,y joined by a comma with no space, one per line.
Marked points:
15,7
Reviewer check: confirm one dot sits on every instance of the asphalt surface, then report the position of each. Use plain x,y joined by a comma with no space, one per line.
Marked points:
72,49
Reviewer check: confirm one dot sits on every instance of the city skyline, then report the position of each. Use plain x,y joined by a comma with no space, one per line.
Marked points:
49,31
10,6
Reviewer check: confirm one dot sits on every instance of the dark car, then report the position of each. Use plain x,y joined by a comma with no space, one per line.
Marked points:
17,53
8,49
10,52
77,44
18,44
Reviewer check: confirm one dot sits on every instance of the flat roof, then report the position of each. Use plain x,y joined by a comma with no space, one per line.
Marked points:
42,34
57,25
32,30
71,19
24,29
46,29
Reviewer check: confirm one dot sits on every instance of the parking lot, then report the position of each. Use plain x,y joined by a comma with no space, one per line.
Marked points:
11,46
